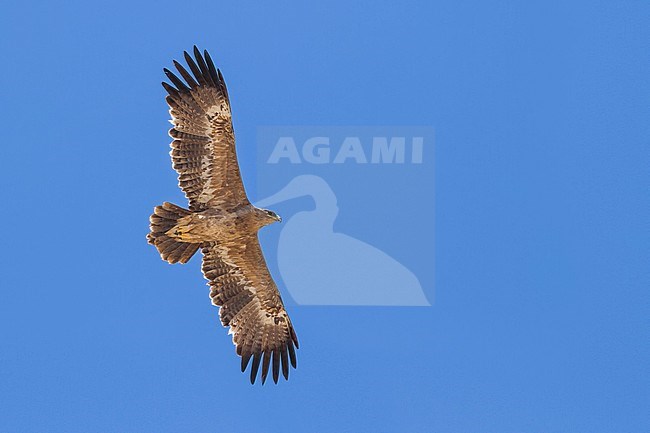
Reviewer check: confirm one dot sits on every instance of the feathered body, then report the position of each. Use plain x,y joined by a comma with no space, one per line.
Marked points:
221,221
217,224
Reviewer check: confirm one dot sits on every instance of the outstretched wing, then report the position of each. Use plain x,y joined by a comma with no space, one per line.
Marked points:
240,283
203,150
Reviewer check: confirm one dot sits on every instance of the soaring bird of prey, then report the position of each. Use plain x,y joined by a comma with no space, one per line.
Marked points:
220,220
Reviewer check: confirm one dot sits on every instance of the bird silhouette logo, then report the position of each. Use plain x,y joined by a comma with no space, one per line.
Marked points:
322,267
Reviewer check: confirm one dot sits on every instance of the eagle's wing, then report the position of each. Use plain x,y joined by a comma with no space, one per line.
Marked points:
203,150
241,284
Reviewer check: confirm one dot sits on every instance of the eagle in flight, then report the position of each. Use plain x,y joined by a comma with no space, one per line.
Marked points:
220,220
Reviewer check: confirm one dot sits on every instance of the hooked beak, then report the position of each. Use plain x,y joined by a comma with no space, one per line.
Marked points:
278,218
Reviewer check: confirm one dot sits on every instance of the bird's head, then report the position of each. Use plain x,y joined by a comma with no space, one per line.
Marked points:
269,217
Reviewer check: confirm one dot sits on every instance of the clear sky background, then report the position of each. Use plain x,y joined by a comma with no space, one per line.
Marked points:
540,319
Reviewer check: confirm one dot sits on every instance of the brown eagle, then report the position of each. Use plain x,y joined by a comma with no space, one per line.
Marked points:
220,220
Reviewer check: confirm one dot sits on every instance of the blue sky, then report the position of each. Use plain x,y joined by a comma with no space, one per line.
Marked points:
540,319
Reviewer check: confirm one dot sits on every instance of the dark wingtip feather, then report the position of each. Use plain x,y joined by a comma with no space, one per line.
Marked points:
265,365
195,69
292,354
204,68
294,337
175,80
256,365
223,84
216,76
276,365
245,359
171,90
285,362
198,57
185,74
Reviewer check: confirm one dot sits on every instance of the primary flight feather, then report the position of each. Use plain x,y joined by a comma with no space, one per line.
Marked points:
220,220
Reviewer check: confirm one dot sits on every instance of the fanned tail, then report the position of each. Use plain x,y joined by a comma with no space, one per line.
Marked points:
162,220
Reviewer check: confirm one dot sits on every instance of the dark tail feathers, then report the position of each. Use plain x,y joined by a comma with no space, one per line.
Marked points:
163,219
